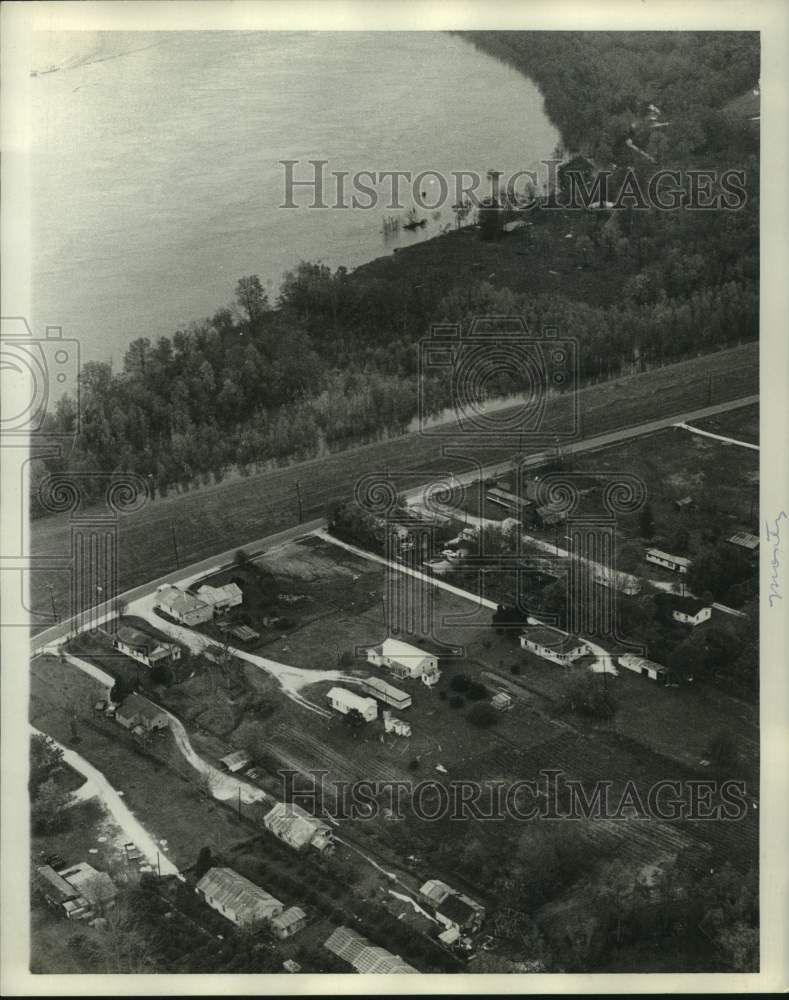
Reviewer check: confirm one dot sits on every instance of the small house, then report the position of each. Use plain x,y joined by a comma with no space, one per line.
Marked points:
397,726
229,595
745,542
137,711
235,761
386,693
548,517
405,660
683,503
502,701
677,564
236,898
509,501
289,922
455,910
344,701
182,606
144,648
690,610
645,668
551,644
60,894
296,828
96,886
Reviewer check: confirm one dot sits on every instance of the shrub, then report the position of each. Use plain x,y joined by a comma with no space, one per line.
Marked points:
515,668
456,701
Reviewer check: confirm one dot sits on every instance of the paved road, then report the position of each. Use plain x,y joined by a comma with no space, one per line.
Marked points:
104,610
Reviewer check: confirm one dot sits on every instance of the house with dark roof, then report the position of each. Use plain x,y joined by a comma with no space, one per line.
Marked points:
551,644
138,713
236,898
60,894
689,610
456,911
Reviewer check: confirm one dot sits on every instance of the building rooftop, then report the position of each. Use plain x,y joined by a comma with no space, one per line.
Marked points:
213,595
456,909
179,600
631,660
350,699
289,917
287,820
690,605
435,890
402,652
745,540
363,956
551,638
137,704
248,901
61,887
667,556
236,760
377,686
95,886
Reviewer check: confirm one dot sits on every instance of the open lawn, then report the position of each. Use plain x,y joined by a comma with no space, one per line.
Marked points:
171,807
741,424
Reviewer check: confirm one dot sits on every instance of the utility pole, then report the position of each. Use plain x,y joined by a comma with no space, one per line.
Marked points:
298,501
56,616
158,864
175,545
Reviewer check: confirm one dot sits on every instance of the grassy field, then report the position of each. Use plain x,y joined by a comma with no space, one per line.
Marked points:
741,424
213,519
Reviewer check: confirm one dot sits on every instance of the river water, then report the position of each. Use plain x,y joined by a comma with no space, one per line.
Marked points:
156,181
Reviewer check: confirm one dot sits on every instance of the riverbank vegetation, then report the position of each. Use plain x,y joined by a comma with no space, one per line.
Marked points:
335,360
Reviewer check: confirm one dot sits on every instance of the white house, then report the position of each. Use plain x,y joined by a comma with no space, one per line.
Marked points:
405,660
394,725
236,898
553,645
343,701
645,668
229,595
690,611
184,607
144,648
677,564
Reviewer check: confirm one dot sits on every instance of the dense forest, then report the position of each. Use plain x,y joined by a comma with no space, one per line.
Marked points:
333,361
597,84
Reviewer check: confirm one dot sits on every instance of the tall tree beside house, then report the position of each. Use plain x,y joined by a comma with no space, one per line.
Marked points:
646,522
